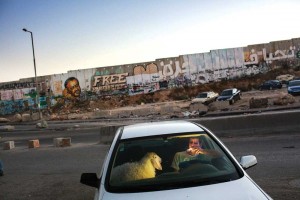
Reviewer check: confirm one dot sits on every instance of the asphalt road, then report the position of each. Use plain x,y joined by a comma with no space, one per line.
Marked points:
54,173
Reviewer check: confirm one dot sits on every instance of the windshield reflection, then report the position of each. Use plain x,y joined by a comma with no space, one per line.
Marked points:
157,163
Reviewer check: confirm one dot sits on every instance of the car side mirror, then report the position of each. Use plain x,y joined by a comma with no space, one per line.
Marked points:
248,161
90,179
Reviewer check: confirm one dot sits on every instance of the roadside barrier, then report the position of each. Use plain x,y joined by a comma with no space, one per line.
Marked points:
8,145
62,142
33,143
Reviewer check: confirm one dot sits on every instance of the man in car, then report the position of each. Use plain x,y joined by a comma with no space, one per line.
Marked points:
194,152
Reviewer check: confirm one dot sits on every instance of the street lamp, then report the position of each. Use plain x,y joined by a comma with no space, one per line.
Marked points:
36,84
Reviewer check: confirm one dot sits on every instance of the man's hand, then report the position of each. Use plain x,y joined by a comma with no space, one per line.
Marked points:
193,151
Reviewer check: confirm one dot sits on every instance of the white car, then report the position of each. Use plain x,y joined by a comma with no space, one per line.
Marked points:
138,166
205,97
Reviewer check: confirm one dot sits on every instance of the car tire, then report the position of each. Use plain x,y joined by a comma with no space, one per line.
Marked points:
271,88
231,102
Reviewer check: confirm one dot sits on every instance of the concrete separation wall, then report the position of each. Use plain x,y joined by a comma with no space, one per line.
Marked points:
239,125
148,77
254,124
107,134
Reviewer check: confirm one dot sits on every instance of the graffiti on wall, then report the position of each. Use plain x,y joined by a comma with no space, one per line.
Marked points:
16,94
254,57
19,100
57,88
148,77
144,79
8,107
16,85
72,89
109,82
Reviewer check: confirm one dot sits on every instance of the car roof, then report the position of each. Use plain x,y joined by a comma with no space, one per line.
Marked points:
158,128
294,81
234,89
273,80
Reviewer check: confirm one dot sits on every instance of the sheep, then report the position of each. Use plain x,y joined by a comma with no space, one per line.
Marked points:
143,169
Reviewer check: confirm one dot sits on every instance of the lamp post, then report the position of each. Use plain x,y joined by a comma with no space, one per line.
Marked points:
36,84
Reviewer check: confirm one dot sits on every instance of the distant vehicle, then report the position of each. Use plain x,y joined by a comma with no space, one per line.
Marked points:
296,78
285,78
270,85
231,95
141,159
294,87
205,97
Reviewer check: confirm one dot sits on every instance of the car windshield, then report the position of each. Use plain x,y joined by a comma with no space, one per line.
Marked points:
294,83
134,162
202,95
226,93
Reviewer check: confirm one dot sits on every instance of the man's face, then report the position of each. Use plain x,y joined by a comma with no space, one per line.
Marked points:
74,88
194,143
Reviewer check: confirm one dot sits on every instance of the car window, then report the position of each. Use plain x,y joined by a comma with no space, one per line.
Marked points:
226,93
202,95
294,83
164,162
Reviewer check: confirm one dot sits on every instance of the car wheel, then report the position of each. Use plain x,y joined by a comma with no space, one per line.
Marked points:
231,101
271,88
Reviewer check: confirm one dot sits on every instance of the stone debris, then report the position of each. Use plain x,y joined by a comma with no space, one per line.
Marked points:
42,124
190,114
26,117
258,103
284,100
17,117
198,107
4,120
7,128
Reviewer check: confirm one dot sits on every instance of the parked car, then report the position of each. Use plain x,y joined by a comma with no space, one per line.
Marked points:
296,78
294,87
231,95
138,162
205,97
285,78
270,85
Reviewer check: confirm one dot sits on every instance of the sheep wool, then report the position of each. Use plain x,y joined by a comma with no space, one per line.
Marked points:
143,169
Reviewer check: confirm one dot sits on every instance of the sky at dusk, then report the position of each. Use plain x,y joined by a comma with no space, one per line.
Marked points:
82,34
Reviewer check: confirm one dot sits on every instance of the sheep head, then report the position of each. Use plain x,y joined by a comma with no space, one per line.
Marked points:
155,160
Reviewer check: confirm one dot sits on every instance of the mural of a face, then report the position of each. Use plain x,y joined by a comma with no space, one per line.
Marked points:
72,88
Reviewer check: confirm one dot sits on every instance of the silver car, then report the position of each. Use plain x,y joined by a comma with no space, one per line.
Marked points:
146,161
205,97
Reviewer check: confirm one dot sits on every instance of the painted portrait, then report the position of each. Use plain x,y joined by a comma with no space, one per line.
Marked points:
72,89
